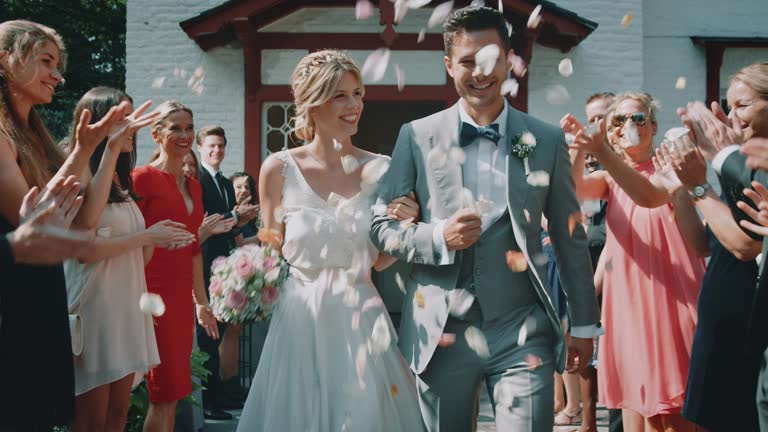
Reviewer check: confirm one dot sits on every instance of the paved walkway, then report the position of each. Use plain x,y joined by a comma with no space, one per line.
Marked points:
485,421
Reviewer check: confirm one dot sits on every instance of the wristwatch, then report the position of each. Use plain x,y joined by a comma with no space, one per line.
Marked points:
699,191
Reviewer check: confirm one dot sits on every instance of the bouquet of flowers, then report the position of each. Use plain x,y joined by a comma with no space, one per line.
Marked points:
246,285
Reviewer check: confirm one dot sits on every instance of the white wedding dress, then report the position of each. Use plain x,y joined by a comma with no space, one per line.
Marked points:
330,361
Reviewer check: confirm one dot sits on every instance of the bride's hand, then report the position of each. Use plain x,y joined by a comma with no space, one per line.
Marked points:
404,208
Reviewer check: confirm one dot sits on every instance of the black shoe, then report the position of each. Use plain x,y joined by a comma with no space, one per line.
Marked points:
229,403
216,414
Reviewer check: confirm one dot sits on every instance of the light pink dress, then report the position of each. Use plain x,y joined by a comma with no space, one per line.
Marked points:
651,285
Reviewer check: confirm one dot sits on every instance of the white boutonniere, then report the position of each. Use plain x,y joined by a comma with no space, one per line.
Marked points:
522,147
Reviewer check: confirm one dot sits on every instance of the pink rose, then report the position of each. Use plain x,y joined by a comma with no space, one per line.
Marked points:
236,300
244,267
218,262
269,295
215,288
269,263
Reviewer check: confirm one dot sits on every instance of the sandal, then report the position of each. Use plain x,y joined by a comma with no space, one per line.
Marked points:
564,419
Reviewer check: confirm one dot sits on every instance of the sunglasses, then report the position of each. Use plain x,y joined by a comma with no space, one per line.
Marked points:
638,118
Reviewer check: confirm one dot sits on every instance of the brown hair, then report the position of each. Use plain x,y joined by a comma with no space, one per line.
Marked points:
210,130
166,109
37,155
313,83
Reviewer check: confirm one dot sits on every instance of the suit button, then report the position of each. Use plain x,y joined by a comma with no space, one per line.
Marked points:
477,272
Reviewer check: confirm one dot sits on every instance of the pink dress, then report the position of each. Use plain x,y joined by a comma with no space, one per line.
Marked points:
651,285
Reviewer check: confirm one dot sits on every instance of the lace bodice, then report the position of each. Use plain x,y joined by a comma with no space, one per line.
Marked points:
324,234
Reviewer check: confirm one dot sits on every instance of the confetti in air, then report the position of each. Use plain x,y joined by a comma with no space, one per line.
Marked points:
510,29
360,361
151,303
477,342
510,87
418,297
535,19
363,9
374,170
627,19
195,82
516,261
401,8
380,337
533,361
400,74
375,65
422,35
400,283
557,94
446,339
517,65
459,302
486,58
158,82
680,83
565,67
440,13
349,163
538,179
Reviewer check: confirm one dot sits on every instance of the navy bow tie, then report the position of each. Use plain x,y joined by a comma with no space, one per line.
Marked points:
469,133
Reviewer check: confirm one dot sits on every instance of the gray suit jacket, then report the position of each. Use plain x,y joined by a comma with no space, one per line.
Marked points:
438,191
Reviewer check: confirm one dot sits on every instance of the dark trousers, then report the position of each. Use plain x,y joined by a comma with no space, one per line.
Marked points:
615,423
762,394
213,388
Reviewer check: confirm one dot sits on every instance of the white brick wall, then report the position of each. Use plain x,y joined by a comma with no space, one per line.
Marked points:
156,47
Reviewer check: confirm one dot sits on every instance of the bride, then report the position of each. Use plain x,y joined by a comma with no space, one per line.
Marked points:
330,361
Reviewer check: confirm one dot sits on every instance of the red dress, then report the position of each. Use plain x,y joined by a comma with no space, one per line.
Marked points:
169,274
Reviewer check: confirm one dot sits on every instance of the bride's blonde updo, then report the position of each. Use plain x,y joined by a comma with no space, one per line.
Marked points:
314,82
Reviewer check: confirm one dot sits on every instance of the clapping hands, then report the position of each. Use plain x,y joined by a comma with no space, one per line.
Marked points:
680,165
711,130
759,196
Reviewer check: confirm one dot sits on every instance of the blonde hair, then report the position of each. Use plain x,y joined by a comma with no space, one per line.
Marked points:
314,82
166,109
649,102
38,156
754,76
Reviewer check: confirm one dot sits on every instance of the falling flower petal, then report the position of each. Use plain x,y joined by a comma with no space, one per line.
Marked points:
457,155
440,13
399,282
540,259
375,65
422,35
516,261
565,67
501,6
534,19
557,94
392,244
510,29
374,170
533,362
407,223
279,214
483,205
158,82
355,320
510,87
538,178
459,302
680,83
351,297
627,19
400,74
486,58
527,215
336,145
418,297
380,336
360,361
573,221
401,8
477,342
195,82
415,4
517,65
393,390
324,252
446,339
151,303
631,134
363,9
349,163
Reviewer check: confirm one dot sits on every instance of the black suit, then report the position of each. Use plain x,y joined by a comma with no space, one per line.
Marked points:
215,246
735,171
6,256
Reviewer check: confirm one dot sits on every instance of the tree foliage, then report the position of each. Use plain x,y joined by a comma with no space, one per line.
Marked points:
94,33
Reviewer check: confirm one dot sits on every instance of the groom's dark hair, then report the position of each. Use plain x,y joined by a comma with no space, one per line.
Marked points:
475,18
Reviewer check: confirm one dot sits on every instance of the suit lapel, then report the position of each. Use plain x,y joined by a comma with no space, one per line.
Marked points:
445,175
517,191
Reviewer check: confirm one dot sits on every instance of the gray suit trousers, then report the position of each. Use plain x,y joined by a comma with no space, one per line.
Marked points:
518,378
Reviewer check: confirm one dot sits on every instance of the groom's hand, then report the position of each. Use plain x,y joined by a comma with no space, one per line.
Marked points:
579,353
462,230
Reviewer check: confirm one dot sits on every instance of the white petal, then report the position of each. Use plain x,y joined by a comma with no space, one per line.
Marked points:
540,259
459,302
557,94
510,87
534,19
528,139
487,57
400,283
477,342
151,303
440,13
467,199
349,163
380,336
415,4
361,359
457,155
590,207
538,178
363,9
158,82
501,6
518,66
510,29
400,74
483,205
422,35
565,67
374,170
631,135
680,83
627,19
401,8
351,296
324,252
375,65
528,326
336,145
392,244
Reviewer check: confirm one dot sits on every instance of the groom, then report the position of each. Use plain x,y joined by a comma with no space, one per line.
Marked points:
468,317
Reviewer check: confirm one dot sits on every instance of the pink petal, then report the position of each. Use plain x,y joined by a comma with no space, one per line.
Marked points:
375,65
400,74
440,13
363,9
534,19
517,65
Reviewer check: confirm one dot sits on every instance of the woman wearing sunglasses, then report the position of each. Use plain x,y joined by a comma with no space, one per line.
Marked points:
652,278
